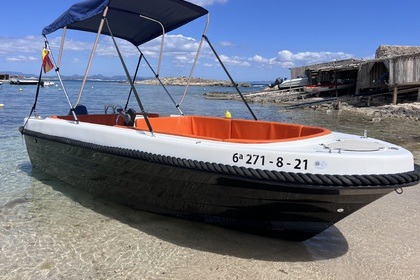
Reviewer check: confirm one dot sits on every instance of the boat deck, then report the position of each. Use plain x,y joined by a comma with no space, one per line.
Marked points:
212,128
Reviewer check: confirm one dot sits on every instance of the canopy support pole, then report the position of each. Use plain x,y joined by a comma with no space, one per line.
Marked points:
146,118
230,77
195,60
161,83
92,54
161,44
60,54
134,79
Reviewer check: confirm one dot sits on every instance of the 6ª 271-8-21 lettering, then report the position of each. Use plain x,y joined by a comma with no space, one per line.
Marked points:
255,159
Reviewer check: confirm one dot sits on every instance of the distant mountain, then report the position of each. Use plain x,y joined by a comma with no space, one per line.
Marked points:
114,78
99,77
12,73
96,77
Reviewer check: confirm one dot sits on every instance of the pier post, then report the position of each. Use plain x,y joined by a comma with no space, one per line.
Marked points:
394,96
418,95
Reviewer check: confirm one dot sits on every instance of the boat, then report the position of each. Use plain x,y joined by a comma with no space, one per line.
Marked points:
23,82
47,83
325,87
283,180
292,83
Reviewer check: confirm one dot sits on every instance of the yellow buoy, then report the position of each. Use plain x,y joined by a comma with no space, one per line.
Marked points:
228,115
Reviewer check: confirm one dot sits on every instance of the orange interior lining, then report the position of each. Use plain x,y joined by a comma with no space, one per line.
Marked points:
228,130
240,131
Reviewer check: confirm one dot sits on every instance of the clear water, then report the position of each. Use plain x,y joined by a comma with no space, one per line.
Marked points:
48,230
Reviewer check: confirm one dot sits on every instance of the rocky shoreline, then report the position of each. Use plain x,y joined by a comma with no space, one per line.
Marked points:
406,110
182,81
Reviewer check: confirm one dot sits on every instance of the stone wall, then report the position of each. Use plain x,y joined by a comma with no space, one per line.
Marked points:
388,51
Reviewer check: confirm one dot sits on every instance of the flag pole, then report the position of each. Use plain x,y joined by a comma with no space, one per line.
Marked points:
57,71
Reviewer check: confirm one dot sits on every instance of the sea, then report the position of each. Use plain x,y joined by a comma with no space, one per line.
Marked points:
49,230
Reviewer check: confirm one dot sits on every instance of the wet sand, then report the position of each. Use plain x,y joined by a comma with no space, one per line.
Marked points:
55,232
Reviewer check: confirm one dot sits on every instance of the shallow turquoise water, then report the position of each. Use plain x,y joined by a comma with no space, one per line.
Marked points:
48,230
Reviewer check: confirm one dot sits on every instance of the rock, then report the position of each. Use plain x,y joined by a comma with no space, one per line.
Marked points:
182,81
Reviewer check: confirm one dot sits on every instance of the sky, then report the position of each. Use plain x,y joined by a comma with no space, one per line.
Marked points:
256,40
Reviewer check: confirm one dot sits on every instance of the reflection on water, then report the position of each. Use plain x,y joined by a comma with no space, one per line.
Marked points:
57,230
201,236
49,230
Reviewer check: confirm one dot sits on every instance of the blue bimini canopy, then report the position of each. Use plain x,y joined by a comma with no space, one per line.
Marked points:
128,18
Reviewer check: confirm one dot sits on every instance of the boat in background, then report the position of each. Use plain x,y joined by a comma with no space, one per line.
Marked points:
23,82
284,180
47,83
292,83
325,87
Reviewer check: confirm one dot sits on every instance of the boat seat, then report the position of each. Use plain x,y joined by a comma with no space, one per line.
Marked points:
79,110
105,119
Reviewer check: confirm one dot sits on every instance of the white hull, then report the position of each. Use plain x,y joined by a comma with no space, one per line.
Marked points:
47,83
299,82
335,154
24,82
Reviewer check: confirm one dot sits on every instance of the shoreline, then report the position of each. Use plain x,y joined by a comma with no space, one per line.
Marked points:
182,81
379,109
404,111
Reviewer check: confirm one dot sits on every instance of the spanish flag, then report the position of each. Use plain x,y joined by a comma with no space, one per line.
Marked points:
47,65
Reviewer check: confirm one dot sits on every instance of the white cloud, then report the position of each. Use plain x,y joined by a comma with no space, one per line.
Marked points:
76,61
179,51
21,58
180,43
177,45
259,59
288,59
285,55
226,44
28,44
235,60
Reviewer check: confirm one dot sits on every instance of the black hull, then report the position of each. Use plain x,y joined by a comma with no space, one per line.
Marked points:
283,210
